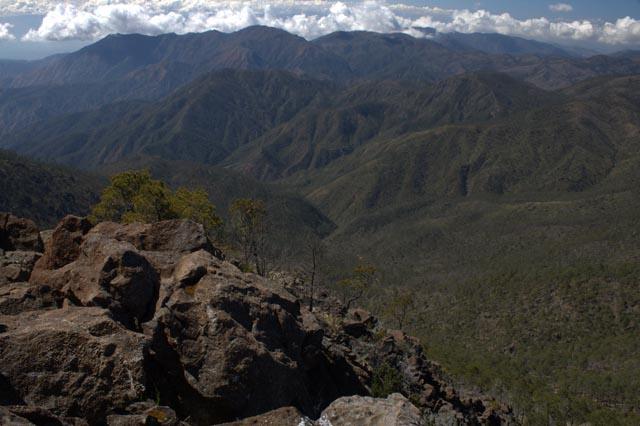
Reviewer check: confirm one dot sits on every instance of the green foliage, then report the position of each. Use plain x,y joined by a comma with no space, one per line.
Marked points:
135,197
195,205
385,380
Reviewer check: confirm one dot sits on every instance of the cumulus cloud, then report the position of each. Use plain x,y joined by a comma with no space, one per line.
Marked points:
92,19
5,32
560,7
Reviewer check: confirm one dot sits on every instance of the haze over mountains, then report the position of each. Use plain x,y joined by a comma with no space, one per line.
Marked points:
465,161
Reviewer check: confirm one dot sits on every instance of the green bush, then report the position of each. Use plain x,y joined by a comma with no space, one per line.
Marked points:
135,197
385,381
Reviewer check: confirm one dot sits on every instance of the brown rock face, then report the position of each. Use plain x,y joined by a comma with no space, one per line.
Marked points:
75,362
177,236
63,246
30,415
16,298
145,413
110,274
286,416
19,234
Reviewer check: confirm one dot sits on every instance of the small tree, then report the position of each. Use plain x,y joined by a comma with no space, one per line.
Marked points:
354,287
385,381
249,222
400,307
316,250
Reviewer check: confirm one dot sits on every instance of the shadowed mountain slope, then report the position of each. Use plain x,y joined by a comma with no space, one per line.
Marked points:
42,192
272,123
203,122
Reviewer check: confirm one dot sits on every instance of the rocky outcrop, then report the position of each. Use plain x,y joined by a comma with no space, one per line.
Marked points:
242,345
63,245
107,273
20,248
145,413
18,234
148,324
395,410
357,337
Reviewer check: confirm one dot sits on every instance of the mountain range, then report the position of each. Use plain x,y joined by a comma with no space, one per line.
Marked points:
494,177
126,67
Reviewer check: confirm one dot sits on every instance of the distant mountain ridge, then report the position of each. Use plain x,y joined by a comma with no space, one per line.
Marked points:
500,44
136,67
118,57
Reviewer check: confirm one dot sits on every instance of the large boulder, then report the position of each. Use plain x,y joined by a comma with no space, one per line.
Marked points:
18,234
395,410
242,345
63,245
162,243
285,416
30,415
75,362
107,273
145,413
179,235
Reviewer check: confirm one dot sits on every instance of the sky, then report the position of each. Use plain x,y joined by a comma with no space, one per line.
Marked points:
32,29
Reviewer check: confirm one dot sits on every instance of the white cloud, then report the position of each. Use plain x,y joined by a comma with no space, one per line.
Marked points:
92,19
5,32
560,7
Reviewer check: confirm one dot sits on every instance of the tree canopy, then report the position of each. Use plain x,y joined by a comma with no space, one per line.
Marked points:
134,196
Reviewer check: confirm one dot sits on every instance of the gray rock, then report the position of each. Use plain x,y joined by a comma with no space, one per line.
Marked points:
395,410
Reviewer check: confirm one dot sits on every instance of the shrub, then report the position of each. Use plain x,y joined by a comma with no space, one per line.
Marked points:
134,196
385,381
